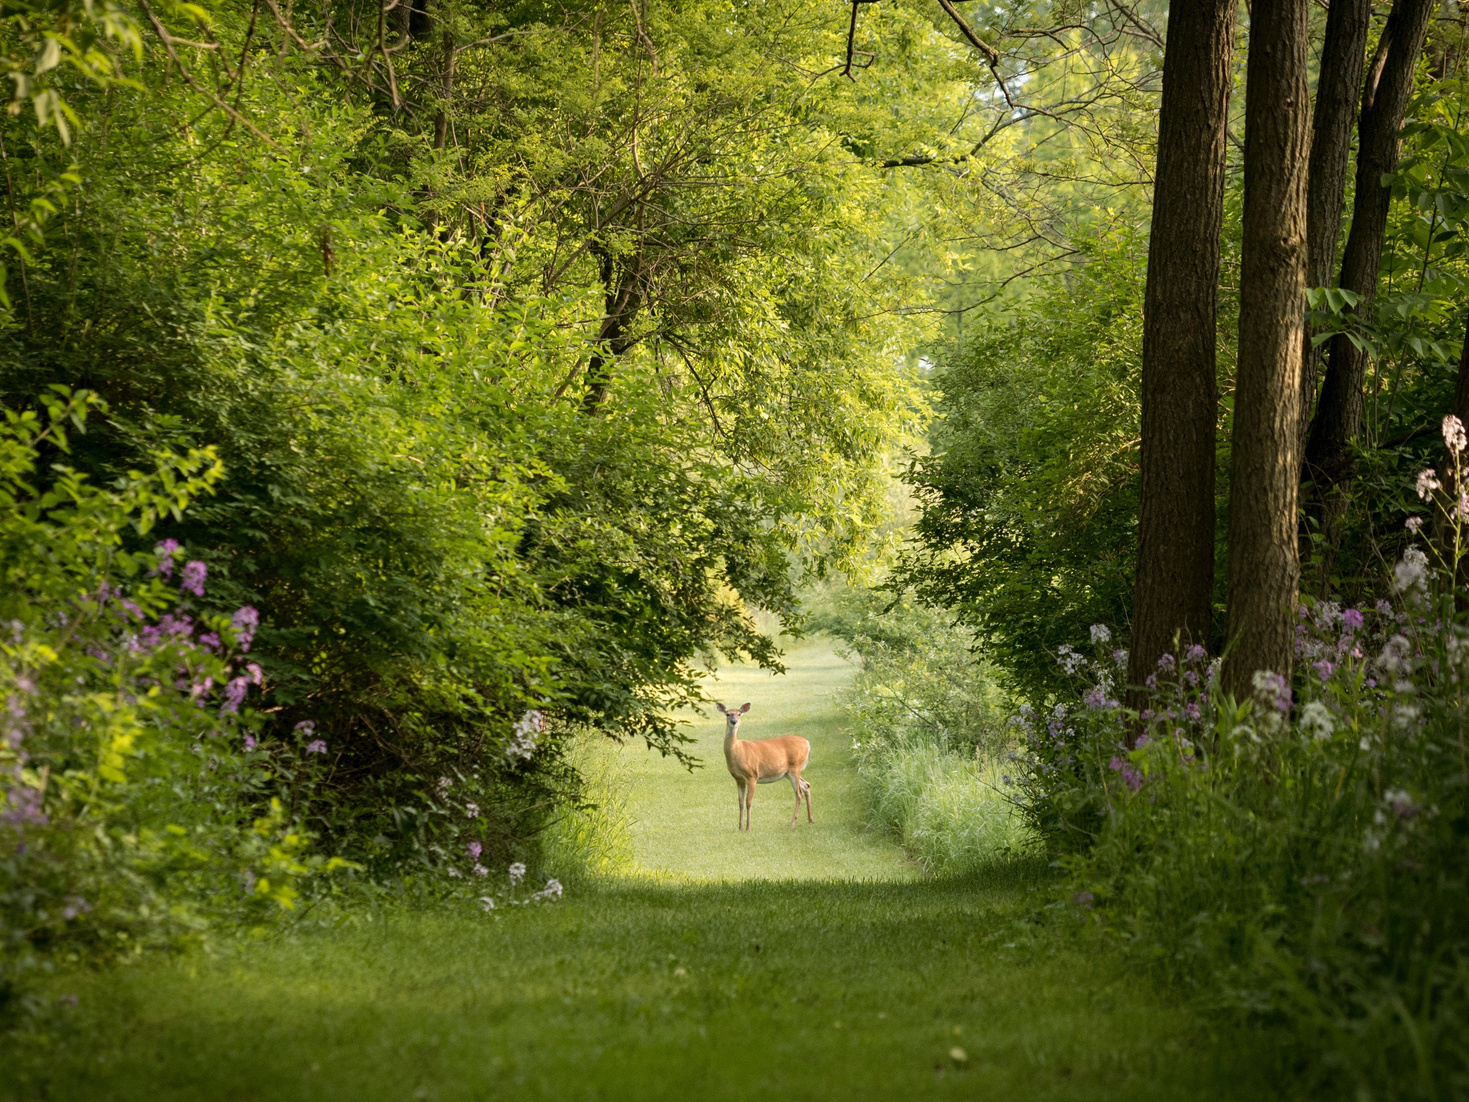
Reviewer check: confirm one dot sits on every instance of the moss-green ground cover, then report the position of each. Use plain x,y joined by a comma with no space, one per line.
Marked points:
792,964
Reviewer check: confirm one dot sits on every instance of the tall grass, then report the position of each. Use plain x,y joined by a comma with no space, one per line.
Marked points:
948,809
594,838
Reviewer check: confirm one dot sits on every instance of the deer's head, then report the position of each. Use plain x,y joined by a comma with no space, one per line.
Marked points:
732,717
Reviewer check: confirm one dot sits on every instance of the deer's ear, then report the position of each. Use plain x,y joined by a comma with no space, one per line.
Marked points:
721,709
744,709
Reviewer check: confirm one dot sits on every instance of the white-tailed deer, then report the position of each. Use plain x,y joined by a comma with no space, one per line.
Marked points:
762,761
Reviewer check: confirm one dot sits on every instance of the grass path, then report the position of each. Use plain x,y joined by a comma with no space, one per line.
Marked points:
685,822
806,964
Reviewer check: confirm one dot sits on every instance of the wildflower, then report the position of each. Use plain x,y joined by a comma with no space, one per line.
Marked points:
1402,804
1453,434
487,903
316,746
75,905
250,743
1427,483
1351,620
1084,899
1119,657
193,578
1316,718
1195,653
1323,669
1412,524
247,881
22,807
245,621
523,745
306,728
1411,572
234,695
209,641
517,873
452,872
201,688
471,811
1124,768
475,849
480,870
1274,689
551,891
165,551
1166,662
1101,633
255,673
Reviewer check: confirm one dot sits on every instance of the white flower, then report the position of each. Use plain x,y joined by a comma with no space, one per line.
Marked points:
487,903
523,745
1453,434
517,873
471,810
1316,718
1101,633
1427,483
1411,572
1412,524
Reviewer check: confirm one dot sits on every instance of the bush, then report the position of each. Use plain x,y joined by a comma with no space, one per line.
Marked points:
129,766
1302,855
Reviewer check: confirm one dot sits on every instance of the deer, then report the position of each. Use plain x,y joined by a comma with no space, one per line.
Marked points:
764,761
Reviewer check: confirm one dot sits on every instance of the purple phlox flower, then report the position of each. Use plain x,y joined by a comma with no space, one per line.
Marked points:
75,905
1453,434
254,672
170,624
316,746
1084,899
1351,620
234,695
1190,678
1151,681
1147,714
1323,669
1143,740
475,849
201,688
1166,662
22,807
1098,698
250,742
1124,769
517,873
165,551
306,728
1195,653
193,577
1119,657
244,621
209,641
1193,710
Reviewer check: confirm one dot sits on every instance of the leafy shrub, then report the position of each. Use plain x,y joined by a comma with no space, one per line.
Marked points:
128,758
1302,854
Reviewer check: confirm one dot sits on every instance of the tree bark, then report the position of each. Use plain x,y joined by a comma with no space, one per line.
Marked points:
1385,96
1264,564
622,299
1175,565
1338,89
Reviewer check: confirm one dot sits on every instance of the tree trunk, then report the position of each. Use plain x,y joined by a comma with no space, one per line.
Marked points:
1385,96
622,299
1264,565
1337,91
1175,565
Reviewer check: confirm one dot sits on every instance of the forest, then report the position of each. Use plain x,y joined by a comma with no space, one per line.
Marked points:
418,414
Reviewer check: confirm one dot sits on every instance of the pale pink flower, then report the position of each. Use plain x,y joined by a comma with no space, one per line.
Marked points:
1427,483
1454,437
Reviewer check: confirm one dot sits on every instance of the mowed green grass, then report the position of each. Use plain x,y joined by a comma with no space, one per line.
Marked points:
767,989
805,964
686,822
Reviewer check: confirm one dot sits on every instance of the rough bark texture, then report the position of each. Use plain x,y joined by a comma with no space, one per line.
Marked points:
1264,566
1175,568
1337,92
1385,95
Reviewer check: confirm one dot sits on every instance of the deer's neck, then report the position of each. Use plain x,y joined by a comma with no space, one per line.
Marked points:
732,741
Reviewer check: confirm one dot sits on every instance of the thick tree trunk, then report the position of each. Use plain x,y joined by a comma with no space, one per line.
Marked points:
622,299
1385,96
1264,566
1175,567
1337,92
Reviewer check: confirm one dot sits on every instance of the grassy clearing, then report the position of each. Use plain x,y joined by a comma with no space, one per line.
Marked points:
801,989
808,964
685,823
